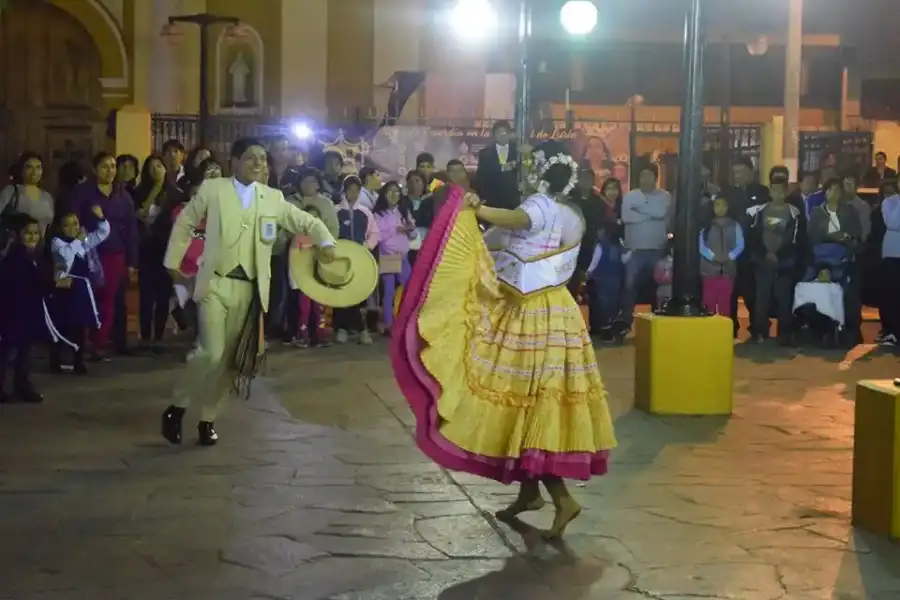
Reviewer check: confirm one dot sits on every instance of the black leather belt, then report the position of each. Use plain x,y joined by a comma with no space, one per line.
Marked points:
237,274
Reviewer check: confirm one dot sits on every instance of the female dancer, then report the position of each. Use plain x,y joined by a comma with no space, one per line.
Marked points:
491,350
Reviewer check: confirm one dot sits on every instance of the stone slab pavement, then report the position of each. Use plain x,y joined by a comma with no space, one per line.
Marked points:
317,492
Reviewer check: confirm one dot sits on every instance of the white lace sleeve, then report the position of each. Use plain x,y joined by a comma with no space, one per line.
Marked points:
538,207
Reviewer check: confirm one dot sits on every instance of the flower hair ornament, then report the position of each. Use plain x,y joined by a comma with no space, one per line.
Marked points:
540,165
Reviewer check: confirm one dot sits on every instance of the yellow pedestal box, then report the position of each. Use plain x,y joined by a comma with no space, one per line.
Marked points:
876,458
684,365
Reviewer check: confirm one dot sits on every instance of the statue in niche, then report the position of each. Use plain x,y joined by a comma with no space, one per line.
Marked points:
239,72
239,77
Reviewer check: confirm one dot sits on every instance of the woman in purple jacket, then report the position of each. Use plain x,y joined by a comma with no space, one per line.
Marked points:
118,254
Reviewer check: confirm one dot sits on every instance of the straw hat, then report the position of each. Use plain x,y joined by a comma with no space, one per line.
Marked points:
346,281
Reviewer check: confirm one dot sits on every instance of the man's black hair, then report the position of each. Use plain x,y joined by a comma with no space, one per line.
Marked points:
172,144
242,145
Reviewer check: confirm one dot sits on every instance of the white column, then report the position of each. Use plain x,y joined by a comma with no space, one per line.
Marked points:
304,58
793,74
397,24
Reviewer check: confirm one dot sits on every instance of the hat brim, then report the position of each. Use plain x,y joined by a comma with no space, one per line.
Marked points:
302,266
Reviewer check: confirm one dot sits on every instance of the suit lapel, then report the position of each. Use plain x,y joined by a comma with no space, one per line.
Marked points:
230,208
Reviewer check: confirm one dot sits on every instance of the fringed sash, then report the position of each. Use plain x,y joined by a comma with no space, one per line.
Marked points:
250,351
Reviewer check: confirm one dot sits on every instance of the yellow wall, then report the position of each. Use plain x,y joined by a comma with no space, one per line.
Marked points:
350,56
887,140
304,64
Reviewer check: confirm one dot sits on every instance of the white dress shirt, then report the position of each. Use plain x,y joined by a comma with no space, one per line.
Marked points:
247,193
503,153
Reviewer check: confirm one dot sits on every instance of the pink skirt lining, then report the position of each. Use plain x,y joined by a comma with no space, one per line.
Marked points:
422,390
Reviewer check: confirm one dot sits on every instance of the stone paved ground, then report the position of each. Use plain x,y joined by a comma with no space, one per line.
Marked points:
317,492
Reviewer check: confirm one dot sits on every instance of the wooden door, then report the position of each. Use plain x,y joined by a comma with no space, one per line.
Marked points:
50,93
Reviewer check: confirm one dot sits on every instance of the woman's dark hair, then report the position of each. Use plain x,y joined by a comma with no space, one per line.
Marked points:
191,158
59,217
651,168
146,182
100,157
779,179
351,180
15,170
381,204
123,159
421,176
611,181
309,172
70,174
199,176
889,187
779,171
834,181
416,173
501,125
19,221
557,177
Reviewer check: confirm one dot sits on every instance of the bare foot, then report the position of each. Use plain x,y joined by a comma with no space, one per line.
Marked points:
518,507
566,512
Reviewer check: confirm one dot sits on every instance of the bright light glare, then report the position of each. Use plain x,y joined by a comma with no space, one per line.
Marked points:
578,17
473,19
301,131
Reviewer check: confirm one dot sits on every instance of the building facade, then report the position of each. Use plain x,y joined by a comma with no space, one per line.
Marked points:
335,61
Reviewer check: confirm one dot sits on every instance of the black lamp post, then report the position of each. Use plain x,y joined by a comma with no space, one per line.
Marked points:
686,284
203,21
523,80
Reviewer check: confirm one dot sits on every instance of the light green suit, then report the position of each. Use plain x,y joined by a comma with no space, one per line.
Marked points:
235,237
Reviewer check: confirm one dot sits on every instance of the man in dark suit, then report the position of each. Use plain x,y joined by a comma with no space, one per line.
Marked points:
497,177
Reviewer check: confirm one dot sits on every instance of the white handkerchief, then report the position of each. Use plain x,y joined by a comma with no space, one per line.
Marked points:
182,294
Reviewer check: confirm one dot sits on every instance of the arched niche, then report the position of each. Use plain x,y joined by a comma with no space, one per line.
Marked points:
240,70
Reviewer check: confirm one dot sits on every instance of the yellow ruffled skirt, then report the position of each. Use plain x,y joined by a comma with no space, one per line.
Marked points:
503,386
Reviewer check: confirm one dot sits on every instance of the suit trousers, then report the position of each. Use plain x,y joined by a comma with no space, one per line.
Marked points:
208,376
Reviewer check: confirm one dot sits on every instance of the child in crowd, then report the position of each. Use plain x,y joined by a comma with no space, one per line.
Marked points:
721,243
73,309
604,279
776,255
27,282
309,311
662,275
396,228
356,223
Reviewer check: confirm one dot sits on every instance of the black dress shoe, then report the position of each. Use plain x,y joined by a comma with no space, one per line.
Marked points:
171,424
27,393
207,433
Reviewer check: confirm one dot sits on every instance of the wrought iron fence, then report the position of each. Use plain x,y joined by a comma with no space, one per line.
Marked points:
221,131
847,151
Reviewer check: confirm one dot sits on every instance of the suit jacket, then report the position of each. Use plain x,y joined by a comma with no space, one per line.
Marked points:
218,203
497,187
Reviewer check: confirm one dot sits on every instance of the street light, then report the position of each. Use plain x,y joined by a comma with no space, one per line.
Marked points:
473,19
578,17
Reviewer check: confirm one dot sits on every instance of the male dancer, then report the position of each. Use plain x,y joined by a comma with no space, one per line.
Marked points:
232,287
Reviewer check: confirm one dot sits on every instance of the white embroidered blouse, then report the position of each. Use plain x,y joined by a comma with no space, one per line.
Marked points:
553,226
66,252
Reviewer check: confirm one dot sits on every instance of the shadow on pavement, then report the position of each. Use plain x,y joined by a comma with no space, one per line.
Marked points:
548,569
